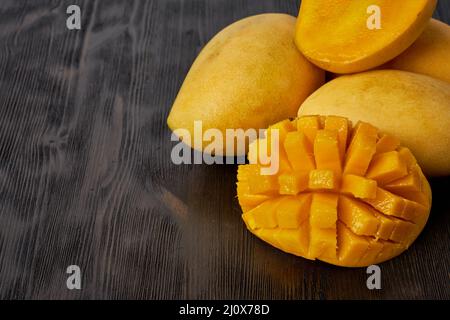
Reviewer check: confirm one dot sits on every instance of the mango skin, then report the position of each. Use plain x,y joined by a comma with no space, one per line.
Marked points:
249,75
412,107
429,55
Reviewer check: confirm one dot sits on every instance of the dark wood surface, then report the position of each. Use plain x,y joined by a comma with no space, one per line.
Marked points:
86,177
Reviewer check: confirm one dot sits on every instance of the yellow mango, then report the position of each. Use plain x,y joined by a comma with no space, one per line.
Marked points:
283,127
295,241
428,54
402,231
408,106
261,184
351,247
372,252
362,148
250,75
410,186
326,151
291,212
397,206
387,143
261,148
248,201
322,243
292,183
359,187
365,217
299,152
309,127
385,227
386,167
340,36
323,210
322,179
358,217
340,125
264,215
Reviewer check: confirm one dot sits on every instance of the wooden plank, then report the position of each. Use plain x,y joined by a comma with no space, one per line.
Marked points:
85,175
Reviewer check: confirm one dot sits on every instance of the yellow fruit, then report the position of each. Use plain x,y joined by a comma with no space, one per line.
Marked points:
429,54
411,107
362,209
249,75
335,34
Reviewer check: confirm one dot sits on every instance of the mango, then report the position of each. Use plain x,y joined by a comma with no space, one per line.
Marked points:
413,108
429,54
363,208
249,75
353,36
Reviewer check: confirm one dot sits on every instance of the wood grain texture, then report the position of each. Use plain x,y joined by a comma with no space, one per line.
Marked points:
86,176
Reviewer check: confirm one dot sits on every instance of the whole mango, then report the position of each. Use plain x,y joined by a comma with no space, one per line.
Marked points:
249,75
429,54
412,107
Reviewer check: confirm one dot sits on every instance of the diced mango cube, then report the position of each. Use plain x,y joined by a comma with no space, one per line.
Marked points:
387,167
414,212
387,203
299,151
257,183
323,210
393,205
351,248
326,151
361,150
359,187
295,241
322,179
246,199
387,143
322,243
409,186
293,182
263,216
402,231
341,126
389,250
372,252
260,152
309,125
283,128
249,221
264,184
386,226
244,172
407,157
358,217
291,212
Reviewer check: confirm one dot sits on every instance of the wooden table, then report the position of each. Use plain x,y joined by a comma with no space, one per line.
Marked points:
86,177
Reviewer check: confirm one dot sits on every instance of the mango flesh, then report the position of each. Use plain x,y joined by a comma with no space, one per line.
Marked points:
429,54
332,208
413,108
249,75
334,34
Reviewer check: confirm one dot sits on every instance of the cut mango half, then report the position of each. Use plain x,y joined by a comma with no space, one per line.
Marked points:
347,195
347,36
